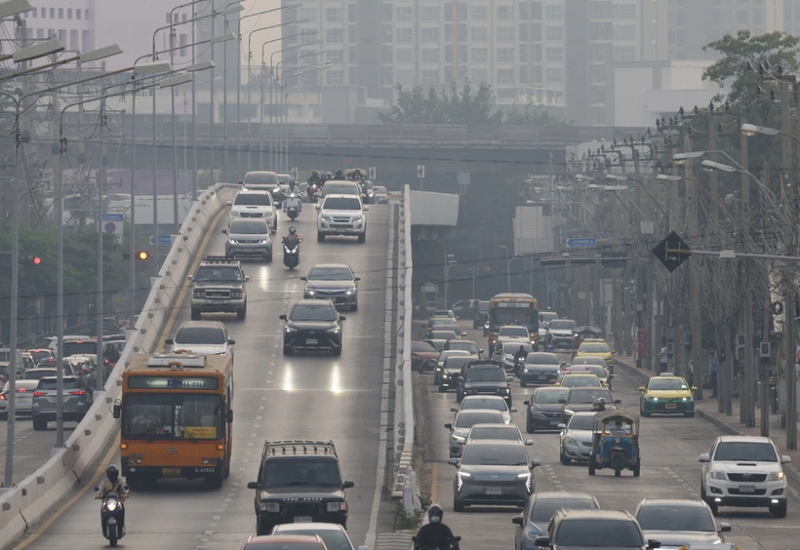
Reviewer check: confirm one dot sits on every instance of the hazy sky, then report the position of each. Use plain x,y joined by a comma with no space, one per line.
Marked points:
258,21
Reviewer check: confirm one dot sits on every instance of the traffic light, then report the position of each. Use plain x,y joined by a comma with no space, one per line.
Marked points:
36,260
143,255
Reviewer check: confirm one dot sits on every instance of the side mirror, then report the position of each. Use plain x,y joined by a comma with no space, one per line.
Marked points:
480,350
224,231
190,277
653,543
348,485
615,351
303,278
126,487
453,462
169,341
785,459
642,388
509,378
117,410
618,401
241,182
526,403
562,401
724,527
282,317
356,279
529,442
517,520
705,457
562,426
541,542
610,376
317,206
535,463
449,426
454,409
231,341
96,488
366,209
694,388
343,318
228,203
229,416
254,485
513,409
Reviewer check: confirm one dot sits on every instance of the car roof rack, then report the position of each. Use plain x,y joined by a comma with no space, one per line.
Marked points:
299,447
220,260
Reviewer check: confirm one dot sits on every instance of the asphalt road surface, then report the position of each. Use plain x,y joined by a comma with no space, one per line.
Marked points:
669,448
305,396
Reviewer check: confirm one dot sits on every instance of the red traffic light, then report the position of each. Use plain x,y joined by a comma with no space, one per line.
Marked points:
36,260
143,255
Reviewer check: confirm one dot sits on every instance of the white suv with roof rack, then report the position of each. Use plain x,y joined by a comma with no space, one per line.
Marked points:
254,203
341,215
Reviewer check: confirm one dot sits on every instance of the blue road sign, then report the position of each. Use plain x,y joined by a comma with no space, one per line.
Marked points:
587,242
163,240
119,218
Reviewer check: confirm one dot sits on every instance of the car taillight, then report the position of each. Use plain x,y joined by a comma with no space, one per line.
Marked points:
39,393
3,397
78,392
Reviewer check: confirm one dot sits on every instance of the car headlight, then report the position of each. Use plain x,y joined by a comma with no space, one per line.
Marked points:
445,375
288,329
570,441
326,217
459,439
685,399
272,507
310,292
231,241
111,505
263,241
357,218
776,476
461,477
507,390
716,474
350,292
334,330
527,478
651,398
336,506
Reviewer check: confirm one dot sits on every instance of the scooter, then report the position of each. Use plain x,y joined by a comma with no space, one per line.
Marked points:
313,192
292,212
453,545
111,514
291,253
486,328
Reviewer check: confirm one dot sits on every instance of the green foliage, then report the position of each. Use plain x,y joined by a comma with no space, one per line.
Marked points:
534,115
403,519
466,105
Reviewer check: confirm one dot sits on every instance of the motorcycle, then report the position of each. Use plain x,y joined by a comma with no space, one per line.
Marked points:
519,366
111,517
313,192
486,328
452,546
291,253
292,212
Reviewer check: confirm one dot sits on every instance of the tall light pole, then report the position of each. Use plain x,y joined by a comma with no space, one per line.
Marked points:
450,263
508,271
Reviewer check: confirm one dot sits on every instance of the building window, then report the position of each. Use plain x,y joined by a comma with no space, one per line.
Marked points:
405,77
624,53
625,32
430,14
554,13
335,56
597,94
183,41
334,36
555,54
405,55
480,34
536,32
40,34
309,13
405,13
523,74
61,13
62,36
87,44
505,76
430,55
505,55
536,56
52,13
405,35
554,33
448,12
480,55
462,53
352,34
69,13
352,13
386,16
505,13
463,32
333,15
87,14
334,77
388,76
523,32
387,55
461,12
537,75
479,13
523,10
352,75
430,34
43,13
597,73
505,34
480,75
624,11
73,40
555,75
523,53
430,76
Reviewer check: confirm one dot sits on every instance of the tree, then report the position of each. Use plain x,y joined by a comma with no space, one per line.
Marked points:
465,106
534,115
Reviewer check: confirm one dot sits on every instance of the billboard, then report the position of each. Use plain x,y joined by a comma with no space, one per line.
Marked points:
533,230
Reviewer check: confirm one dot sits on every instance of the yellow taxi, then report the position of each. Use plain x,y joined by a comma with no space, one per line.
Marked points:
573,380
667,394
596,347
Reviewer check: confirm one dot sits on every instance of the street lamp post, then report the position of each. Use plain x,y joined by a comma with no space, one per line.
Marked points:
450,263
508,271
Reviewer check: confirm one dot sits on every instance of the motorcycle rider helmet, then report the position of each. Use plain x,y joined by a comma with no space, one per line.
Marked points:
292,230
329,176
112,473
435,513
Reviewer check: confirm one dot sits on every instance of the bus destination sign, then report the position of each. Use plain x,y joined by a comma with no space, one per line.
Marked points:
172,383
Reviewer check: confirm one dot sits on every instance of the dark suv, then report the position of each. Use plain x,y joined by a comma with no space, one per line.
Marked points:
596,528
313,325
299,481
485,378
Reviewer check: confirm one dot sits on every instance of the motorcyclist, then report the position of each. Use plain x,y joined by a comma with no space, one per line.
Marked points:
519,357
435,534
315,178
357,175
293,200
292,237
113,485
339,175
293,186
111,353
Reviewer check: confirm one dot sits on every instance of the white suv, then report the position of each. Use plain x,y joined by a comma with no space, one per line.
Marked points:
341,215
252,203
744,471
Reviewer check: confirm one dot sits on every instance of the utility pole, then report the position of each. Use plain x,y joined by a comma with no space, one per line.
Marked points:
101,183
764,393
747,408
788,284
694,272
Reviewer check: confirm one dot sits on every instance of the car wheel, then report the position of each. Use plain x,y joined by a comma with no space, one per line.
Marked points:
636,470
362,237
457,506
689,414
196,315
4,416
529,426
522,383
591,465
262,530
337,351
565,460
320,237
241,314
779,511
269,258
287,350
442,389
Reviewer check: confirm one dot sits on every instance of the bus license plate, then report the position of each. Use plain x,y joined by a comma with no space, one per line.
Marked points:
171,472
747,489
303,519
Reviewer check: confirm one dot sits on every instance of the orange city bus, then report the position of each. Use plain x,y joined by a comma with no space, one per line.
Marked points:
176,417
512,308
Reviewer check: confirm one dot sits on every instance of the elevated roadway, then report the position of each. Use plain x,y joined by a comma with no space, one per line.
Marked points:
276,397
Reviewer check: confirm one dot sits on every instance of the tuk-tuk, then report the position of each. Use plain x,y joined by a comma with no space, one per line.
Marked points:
581,334
615,439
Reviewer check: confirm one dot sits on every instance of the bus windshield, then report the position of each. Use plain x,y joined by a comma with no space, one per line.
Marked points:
172,416
521,313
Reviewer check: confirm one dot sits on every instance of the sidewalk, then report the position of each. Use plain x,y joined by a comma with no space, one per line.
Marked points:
707,410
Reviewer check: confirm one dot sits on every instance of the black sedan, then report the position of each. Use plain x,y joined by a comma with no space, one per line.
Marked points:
582,399
451,370
312,325
485,380
544,410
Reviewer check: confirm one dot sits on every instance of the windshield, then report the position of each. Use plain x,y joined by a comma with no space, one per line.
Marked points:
580,380
581,422
495,455
485,375
52,384
200,335
248,227
420,347
36,374
497,404
596,370
252,199
330,274
545,396
300,471
308,312
557,324
83,347
510,348
39,355
465,346
596,532
443,334
519,332
543,510
668,384
508,433
594,348
342,203
469,419
589,361
172,416
340,189
523,313
269,545
542,359
227,274
261,178
737,450
586,396
457,361
675,518
333,538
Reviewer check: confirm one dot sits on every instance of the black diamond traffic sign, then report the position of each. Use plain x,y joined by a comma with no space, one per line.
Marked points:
672,251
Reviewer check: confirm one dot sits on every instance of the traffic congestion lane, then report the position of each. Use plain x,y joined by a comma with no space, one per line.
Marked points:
304,396
669,446
31,448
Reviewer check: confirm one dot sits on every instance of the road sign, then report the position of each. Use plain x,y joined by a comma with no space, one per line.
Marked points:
586,242
463,178
113,223
420,171
163,240
372,172
672,251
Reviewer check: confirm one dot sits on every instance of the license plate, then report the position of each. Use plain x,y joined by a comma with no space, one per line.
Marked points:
670,406
303,519
541,377
217,300
494,491
749,489
171,472
311,341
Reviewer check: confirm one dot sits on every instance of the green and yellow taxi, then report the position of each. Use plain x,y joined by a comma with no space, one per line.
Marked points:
667,394
596,347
